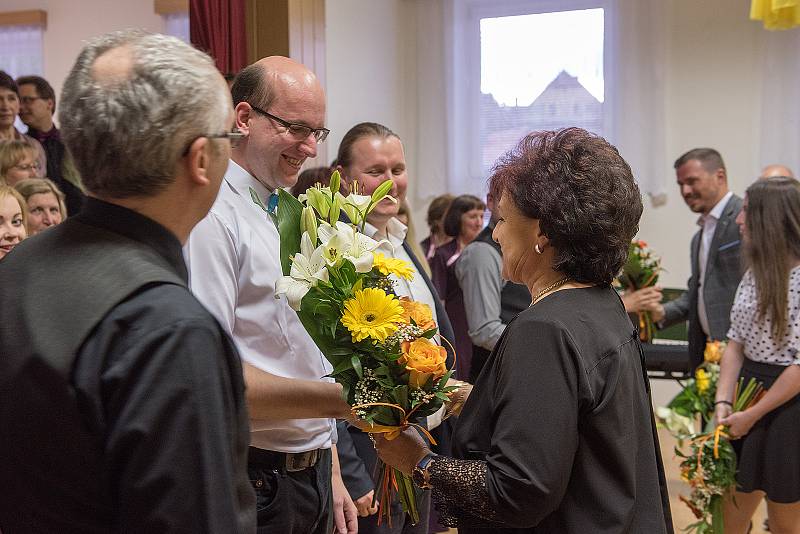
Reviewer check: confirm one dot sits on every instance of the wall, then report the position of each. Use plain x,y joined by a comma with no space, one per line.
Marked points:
713,94
713,97
376,50
71,22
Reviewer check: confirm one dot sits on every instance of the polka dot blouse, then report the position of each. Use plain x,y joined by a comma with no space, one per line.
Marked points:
754,335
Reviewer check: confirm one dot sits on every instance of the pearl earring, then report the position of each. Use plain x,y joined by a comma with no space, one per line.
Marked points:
538,249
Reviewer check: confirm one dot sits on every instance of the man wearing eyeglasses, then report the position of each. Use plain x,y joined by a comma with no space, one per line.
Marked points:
9,109
122,403
37,106
234,262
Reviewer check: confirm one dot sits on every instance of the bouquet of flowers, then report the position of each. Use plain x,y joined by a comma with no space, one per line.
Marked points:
709,466
640,271
381,347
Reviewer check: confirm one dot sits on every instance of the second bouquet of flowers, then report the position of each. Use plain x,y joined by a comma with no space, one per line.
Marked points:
382,347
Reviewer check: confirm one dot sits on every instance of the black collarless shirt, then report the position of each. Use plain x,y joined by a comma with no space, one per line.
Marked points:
160,386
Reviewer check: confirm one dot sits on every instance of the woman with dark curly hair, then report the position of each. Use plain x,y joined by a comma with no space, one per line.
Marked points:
558,434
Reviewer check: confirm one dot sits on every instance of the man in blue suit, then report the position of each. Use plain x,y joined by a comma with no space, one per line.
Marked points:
715,252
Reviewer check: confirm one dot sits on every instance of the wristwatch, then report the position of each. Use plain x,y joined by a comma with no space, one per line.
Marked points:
421,476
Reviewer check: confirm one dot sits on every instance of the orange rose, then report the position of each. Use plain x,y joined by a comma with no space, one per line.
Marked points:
424,360
421,313
713,351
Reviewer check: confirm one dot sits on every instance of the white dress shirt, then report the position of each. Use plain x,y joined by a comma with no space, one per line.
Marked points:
233,256
709,225
416,288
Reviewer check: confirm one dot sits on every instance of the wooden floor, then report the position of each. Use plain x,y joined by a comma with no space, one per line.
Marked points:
663,391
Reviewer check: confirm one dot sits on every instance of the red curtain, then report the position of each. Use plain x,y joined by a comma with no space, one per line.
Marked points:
218,28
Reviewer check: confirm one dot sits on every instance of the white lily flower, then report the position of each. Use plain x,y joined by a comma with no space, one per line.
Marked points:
308,268
318,198
293,289
355,206
348,243
325,231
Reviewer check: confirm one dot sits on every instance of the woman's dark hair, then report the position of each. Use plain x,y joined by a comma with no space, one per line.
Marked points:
436,210
7,82
583,194
458,207
359,131
311,176
773,244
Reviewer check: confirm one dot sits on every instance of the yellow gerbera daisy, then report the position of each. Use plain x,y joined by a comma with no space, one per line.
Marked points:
372,313
387,266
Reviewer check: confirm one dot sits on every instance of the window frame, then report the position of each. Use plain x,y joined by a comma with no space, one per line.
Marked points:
463,77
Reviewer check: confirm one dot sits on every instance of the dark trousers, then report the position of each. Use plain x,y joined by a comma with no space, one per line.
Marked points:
401,522
291,502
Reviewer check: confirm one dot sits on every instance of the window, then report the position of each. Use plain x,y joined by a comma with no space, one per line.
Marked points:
21,46
540,71
521,66
177,25
21,50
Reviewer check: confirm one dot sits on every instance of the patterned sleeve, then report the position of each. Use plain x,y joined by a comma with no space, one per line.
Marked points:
738,328
460,493
793,334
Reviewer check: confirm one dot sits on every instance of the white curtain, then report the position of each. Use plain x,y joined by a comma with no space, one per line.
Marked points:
21,50
637,60
780,105
177,25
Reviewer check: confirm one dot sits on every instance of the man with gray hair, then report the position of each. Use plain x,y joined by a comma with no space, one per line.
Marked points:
121,397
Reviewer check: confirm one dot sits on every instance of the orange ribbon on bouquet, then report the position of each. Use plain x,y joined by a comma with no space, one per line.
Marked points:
718,432
390,431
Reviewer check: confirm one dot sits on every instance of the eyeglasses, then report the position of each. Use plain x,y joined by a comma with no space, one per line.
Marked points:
298,131
27,166
29,99
233,135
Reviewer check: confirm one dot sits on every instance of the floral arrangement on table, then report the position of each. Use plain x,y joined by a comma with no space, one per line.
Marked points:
709,465
381,347
640,271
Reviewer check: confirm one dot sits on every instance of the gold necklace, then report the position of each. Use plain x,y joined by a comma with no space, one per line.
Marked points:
551,287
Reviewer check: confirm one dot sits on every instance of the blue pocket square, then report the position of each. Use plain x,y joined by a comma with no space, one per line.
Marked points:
726,246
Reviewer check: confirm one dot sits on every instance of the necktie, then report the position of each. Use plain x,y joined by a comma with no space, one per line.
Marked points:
272,203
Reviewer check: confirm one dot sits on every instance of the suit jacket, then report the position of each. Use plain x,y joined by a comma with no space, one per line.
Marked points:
356,453
723,272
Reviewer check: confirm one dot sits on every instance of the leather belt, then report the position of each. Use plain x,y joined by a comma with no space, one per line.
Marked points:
285,461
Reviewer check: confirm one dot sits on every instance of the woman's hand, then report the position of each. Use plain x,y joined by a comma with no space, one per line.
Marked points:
740,423
457,397
721,411
403,452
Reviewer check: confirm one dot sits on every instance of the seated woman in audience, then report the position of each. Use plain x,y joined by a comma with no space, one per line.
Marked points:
18,161
764,344
437,237
557,434
13,218
462,222
45,203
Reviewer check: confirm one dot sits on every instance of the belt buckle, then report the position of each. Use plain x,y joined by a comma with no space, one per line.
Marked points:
301,460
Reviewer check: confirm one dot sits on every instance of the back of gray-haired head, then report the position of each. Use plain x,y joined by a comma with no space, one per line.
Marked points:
128,126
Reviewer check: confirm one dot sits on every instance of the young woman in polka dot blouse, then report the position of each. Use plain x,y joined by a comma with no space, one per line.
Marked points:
764,343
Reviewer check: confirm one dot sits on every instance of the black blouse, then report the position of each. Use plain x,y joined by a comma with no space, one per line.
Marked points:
557,434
